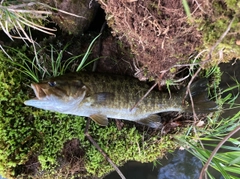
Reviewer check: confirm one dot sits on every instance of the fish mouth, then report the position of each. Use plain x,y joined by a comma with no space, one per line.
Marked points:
40,100
39,92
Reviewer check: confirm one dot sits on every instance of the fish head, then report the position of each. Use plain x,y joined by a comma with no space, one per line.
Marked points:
57,94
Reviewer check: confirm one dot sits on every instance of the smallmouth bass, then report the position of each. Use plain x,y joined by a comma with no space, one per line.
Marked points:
102,96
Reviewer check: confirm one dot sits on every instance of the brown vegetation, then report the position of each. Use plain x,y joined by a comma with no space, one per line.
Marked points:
158,32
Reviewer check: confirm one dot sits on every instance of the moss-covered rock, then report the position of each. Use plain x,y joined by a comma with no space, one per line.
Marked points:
18,137
213,24
33,142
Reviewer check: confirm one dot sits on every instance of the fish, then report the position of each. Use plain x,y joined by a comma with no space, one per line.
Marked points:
103,96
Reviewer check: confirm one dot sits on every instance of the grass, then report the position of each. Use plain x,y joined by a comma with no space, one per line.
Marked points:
187,9
36,70
20,17
217,133
83,63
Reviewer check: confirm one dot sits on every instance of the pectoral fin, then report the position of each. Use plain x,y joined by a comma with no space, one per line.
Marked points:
153,121
100,98
100,119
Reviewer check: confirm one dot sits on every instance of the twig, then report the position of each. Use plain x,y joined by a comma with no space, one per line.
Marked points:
145,95
221,38
199,6
204,169
90,137
103,3
188,91
100,150
99,46
203,63
29,11
5,53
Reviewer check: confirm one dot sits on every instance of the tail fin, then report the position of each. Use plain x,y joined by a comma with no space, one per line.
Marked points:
199,93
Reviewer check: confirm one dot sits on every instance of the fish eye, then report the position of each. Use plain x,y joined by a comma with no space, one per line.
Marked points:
52,83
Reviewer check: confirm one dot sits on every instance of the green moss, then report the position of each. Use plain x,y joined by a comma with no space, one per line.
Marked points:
124,145
215,25
17,131
54,130
233,5
26,132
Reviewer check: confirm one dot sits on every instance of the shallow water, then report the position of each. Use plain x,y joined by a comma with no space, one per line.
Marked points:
181,164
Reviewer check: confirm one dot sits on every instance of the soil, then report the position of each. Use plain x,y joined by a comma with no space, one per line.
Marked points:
30,168
73,158
157,32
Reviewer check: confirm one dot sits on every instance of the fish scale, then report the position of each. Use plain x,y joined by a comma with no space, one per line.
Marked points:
102,96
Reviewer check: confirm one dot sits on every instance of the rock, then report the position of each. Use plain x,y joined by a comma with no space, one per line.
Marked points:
72,24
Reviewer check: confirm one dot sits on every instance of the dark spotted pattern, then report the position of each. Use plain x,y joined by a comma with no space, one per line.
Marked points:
120,91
